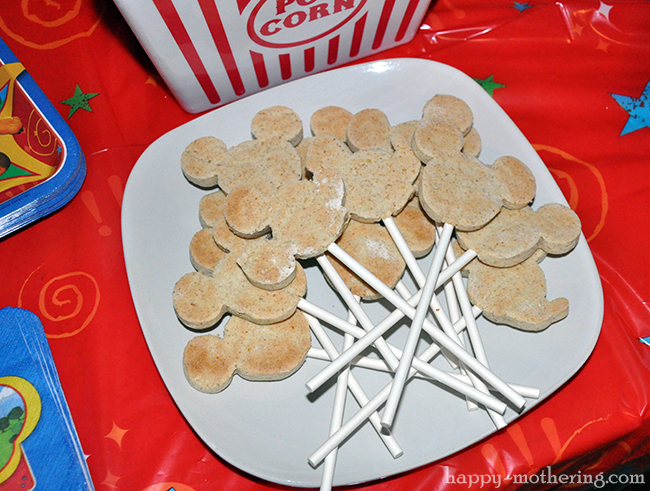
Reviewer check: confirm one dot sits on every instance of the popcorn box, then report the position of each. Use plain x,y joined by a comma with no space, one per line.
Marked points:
210,53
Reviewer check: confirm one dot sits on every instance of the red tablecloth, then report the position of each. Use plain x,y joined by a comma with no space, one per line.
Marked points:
574,76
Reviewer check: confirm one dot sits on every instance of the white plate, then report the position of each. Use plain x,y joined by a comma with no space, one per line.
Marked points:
269,429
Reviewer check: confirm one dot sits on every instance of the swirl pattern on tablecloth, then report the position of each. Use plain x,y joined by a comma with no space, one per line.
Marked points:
49,25
66,303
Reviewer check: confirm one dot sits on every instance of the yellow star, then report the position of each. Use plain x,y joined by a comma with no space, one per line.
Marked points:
117,434
602,45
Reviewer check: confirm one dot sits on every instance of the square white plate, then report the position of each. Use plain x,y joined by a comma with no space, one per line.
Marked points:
269,429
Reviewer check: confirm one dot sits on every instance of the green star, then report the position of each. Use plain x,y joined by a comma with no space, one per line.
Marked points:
79,101
488,84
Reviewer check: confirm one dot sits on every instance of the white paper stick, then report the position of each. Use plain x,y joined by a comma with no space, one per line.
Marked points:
355,307
474,336
362,343
439,336
380,366
329,466
405,293
355,387
344,359
420,279
379,330
360,416
413,337
380,343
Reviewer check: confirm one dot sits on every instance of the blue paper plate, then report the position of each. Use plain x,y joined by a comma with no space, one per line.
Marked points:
41,164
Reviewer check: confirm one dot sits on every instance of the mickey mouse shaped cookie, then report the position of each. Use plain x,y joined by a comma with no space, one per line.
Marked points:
459,189
514,296
302,219
514,235
378,183
252,351
270,157
201,300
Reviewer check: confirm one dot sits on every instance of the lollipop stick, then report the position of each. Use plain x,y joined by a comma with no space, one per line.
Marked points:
439,336
380,343
329,465
354,306
421,311
375,403
355,387
379,330
474,336
380,366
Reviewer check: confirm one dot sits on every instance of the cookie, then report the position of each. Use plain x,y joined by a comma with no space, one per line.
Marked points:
473,143
331,120
202,160
450,108
432,135
459,189
254,352
278,122
303,218
200,301
514,296
211,208
378,184
406,129
209,362
372,246
369,129
416,227
204,252
514,235
268,161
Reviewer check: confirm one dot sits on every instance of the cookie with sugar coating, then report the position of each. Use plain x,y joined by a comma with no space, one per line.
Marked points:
200,301
278,122
303,217
461,190
372,246
378,184
514,235
252,351
514,296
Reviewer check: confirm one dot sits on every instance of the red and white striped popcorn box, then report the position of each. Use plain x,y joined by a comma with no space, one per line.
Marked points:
211,52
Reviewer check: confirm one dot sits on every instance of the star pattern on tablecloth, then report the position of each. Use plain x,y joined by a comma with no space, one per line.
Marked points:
488,84
604,9
521,6
79,101
638,109
116,434
110,480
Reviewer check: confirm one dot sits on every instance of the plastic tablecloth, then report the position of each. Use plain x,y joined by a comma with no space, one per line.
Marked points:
574,76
